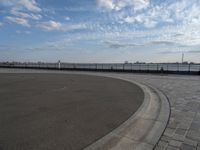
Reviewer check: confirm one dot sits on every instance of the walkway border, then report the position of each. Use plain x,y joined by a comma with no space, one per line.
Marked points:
144,128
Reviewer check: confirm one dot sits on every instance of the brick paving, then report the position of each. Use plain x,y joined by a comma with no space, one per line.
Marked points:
183,92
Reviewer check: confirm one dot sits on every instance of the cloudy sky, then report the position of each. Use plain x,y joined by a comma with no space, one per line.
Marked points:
99,30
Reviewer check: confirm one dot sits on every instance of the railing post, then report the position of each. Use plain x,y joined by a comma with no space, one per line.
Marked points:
167,67
189,68
199,68
178,67
59,64
157,67
132,67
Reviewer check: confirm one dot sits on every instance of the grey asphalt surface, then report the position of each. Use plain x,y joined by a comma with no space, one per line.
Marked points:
62,111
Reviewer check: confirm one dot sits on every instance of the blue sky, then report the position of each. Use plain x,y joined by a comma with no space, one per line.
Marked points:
99,30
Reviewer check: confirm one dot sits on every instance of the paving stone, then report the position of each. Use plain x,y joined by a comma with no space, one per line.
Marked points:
195,125
184,125
169,132
162,144
198,148
190,142
193,134
175,143
180,131
197,116
173,124
158,148
172,148
187,147
189,114
193,104
198,108
178,137
165,138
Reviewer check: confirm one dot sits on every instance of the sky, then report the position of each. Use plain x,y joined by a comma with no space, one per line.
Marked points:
100,31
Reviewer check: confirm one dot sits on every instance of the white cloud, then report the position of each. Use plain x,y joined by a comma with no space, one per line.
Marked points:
108,4
22,11
67,18
129,19
135,19
20,21
70,27
135,4
141,19
53,25
179,35
150,23
121,4
149,15
50,25
25,15
30,5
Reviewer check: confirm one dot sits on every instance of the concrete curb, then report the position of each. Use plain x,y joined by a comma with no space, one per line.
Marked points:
143,129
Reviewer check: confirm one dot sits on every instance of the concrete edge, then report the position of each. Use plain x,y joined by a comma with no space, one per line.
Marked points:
144,128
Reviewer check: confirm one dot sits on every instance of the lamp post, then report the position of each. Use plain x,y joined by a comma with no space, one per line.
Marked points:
182,57
59,64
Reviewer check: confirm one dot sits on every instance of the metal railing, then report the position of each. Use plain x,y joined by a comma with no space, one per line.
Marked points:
129,67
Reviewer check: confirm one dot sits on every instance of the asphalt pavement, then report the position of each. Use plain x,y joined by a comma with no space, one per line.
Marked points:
62,111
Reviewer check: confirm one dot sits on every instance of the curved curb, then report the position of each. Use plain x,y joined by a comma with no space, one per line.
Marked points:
143,129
